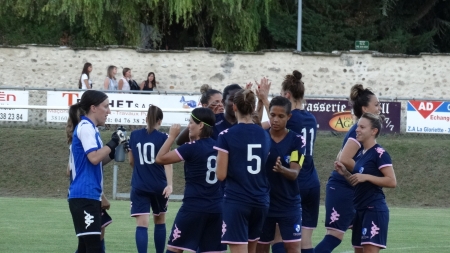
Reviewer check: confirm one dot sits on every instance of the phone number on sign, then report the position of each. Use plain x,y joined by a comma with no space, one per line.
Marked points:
11,116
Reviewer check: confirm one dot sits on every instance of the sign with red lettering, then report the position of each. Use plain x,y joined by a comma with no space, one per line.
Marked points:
428,117
13,97
140,102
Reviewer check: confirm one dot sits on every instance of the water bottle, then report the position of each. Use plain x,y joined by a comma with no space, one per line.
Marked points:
120,152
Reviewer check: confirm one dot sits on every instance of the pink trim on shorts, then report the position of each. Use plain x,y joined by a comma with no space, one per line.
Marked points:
213,251
220,149
228,242
335,229
355,140
374,244
252,240
308,227
296,240
357,247
89,233
138,214
179,155
180,248
106,224
385,165
261,242
158,213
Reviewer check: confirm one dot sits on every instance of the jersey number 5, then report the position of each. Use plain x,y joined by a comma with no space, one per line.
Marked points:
251,157
143,156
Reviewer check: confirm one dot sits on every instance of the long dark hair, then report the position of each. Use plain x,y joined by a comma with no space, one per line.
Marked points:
153,82
245,101
85,71
89,98
360,97
207,116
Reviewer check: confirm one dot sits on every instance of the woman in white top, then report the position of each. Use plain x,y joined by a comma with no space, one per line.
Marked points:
110,80
85,82
123,82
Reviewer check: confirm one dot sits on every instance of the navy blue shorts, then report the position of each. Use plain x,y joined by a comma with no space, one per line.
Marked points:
141,202
310,207
194,230
86,216
370,227
242,223
339,211
290,229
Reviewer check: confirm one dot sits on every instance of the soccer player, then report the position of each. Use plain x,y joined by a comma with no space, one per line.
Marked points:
303,123
372,171
282,167
151,183
198,224
339,211
222,106
88,157
242,155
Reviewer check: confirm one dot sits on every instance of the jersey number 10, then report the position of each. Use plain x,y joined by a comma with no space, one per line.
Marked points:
143,156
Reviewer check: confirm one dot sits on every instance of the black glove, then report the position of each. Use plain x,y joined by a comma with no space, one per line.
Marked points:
112,154
118,137
126,145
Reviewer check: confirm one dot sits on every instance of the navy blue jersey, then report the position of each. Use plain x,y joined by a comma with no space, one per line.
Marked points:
368,194
304,123
350,136
247,146
284,193
147,175
202,192
221,124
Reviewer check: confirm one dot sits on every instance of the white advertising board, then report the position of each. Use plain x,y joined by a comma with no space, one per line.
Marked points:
13,98
128,101
428,117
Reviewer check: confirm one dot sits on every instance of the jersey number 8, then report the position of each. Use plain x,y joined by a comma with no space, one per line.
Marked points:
211,170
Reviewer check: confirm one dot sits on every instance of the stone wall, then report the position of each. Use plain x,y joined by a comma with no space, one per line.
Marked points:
325,74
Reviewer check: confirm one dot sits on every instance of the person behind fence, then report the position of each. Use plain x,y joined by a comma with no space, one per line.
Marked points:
339,210
198,223
89,155
150,83
123,82
151,182
372,171
85,82
110,82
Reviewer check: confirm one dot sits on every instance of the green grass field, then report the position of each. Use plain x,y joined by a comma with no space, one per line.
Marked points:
45,225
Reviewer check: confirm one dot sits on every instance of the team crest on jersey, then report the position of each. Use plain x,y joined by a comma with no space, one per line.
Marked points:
287,158
361,170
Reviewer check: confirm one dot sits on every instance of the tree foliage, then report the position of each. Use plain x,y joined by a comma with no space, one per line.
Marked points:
391,26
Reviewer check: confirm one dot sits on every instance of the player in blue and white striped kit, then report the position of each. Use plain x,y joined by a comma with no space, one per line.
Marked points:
151,183
339,211
372,171
198,224
242,155
283,166
88,157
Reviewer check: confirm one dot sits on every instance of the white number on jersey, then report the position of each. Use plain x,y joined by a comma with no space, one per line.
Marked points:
211,170
250,157
143,156
311,142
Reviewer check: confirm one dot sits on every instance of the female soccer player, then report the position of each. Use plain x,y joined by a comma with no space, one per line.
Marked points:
372,171
225,117
151,183
339,211
303,123
283,165
243,151
198,224
88,157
